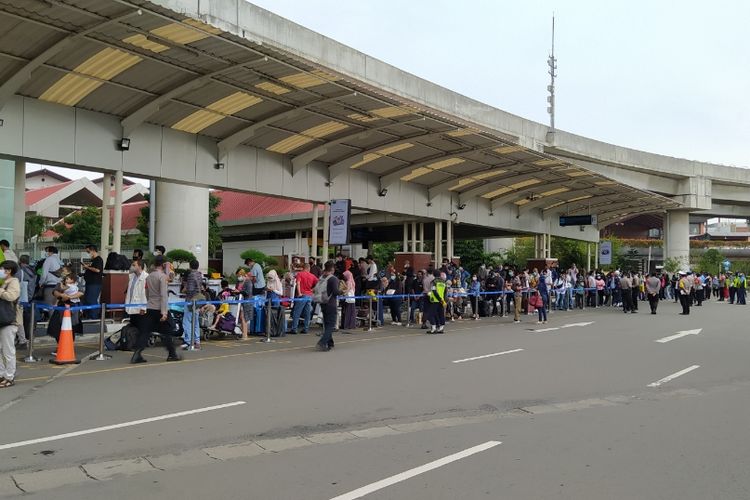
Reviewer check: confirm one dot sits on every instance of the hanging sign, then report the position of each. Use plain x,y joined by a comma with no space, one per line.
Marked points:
338,222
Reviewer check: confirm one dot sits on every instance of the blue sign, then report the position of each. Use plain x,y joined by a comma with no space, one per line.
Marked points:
726,265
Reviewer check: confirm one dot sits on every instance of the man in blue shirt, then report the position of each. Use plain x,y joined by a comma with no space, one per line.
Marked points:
256,276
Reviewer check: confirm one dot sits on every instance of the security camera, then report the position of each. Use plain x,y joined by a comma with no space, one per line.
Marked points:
383,192
461,206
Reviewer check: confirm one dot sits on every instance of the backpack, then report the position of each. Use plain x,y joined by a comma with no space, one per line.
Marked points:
128,338
320,291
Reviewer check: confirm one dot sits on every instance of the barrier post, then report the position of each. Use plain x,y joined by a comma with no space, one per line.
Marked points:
30,352
267,339
101,356
193,319
369,315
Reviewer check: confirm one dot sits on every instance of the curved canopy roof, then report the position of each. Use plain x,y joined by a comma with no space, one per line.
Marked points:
144,63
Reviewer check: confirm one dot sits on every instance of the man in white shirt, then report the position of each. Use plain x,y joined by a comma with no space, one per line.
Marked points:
372,273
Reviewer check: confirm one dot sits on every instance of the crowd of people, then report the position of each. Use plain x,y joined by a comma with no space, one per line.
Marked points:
341,294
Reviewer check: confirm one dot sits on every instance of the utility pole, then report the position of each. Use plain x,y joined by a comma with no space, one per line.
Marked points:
552,63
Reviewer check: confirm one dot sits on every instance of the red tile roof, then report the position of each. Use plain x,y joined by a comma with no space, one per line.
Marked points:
239,206
130,213
37,195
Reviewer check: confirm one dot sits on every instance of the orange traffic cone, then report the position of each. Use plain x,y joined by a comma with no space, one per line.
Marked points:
66,354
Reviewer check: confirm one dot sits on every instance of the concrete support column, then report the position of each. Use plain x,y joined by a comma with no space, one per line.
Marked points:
117,217
297,242
19,205
449,240
405,248
596,256
438,243
414,237
151,216
106,198
548,250
421,236
588,257
314,234
677,236
182,219
326,229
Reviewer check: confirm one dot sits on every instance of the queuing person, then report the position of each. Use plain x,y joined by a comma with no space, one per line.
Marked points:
191,288
167,268
329,307
635,291
255,275
302,307
415,289
8,254
348,307
50,276
28,279
137,254
626,286
541,288
315,267
740,286
517,298
10,295
427,313
394,289
157,289
475,289
653,289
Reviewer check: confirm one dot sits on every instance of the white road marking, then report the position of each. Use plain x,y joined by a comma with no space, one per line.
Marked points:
118,426
487,356
673,376
384,483
681,334
569,325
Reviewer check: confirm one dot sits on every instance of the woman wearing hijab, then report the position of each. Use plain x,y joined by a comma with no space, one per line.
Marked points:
275,291
349,311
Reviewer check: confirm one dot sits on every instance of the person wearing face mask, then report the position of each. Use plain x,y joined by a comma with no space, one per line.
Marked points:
92,277
474,288
136,294
50,276
137,254
10,294
395,287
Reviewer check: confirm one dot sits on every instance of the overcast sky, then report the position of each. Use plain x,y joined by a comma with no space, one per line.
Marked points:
667,76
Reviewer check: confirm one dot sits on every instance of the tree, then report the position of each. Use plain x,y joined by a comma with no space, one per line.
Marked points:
471,252
83,226
383,253
178,256
144,217
259,257
672,264
34,225
711,261
569,252
522,251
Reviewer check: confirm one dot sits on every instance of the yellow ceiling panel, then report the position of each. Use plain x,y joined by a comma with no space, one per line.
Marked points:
272,88
577,173
555,191
107,63
497,192
487,175
581,198
70,89
290,143
390,112
144,43
195,122
394,149
324,129
306,80
306,136
547,162
504,150
448,162
231,104
461,132
104,65
522,202
366,159
417,173
363,118
463,182
179,33
202,26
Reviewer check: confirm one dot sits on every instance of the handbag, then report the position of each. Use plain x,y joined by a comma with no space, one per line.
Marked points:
8,312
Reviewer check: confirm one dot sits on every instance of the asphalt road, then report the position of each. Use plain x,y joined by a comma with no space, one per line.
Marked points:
591,406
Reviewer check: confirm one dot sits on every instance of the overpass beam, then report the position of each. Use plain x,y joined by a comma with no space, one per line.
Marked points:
677,236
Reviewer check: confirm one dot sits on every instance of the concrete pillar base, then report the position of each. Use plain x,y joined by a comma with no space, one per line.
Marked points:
677,236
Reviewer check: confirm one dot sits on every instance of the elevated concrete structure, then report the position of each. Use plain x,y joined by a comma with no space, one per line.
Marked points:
228,95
